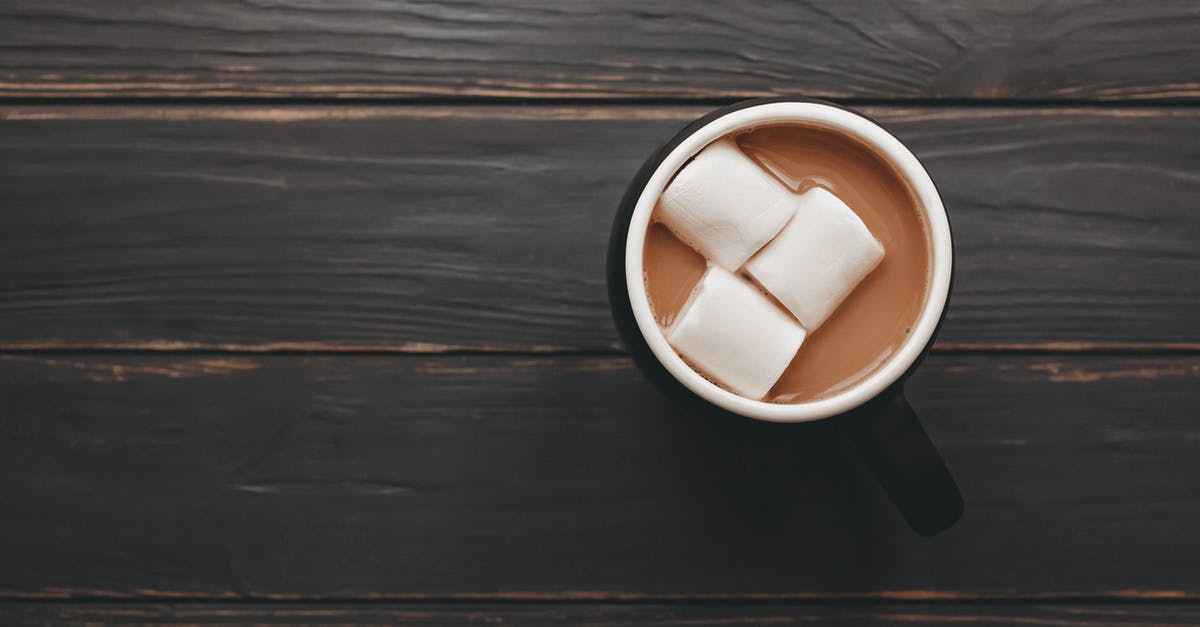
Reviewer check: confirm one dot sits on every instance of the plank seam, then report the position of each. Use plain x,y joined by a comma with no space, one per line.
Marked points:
1116,597
1039,103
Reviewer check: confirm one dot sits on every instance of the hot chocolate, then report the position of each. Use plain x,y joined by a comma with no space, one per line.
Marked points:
855,333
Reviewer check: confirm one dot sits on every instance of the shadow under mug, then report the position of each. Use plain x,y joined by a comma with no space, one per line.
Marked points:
874,412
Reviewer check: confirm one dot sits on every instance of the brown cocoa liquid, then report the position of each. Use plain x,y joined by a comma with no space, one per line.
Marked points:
876,318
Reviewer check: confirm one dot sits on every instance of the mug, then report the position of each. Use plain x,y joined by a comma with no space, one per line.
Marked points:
874,412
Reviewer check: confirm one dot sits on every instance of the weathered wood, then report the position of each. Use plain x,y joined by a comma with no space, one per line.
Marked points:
1077,49
569,478
428,228
16,614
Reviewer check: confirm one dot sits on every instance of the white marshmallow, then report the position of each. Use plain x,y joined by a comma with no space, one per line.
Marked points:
724,205
818,259
733,333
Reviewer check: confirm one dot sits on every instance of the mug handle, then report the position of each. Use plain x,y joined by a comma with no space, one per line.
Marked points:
888,434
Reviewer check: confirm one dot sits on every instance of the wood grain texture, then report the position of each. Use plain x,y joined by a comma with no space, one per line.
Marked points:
433,228
1077,49
18,614
568,478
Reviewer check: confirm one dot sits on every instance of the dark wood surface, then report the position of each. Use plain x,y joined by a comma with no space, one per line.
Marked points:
591,614
358,476
430,228
1074,49
303,317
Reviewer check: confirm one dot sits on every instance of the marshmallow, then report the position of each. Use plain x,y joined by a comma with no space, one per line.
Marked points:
818,258
724,205
733,333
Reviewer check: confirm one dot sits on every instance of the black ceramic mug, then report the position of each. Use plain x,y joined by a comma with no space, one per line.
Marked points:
874,411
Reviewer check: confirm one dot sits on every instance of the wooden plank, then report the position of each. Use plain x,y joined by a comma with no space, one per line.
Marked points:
16,614
1078,49
432,228
568,478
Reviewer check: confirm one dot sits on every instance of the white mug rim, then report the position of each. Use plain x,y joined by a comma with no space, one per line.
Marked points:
875,137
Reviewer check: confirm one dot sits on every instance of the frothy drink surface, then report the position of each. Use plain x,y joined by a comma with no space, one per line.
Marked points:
875,319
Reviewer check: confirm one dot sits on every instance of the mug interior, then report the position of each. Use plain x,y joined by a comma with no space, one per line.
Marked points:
874,137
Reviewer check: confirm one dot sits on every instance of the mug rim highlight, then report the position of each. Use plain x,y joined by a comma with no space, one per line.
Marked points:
838,119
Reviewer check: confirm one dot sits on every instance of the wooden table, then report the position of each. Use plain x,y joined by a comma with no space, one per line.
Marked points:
303,317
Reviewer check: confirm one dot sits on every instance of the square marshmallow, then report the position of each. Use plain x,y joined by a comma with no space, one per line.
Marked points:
724,205
818,259
733,333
